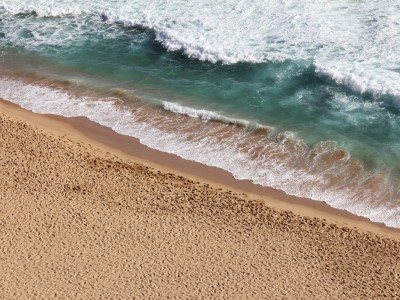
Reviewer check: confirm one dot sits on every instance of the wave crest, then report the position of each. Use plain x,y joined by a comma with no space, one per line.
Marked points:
213,116
360,82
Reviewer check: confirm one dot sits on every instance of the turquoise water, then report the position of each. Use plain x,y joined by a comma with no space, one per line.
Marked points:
326,95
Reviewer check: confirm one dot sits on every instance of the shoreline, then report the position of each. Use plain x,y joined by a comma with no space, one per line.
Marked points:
81,219
130,148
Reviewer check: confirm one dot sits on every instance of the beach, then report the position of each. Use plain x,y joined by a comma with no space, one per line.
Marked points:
199,150
84,217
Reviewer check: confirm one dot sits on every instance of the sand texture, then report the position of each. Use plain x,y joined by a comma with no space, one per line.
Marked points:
77,222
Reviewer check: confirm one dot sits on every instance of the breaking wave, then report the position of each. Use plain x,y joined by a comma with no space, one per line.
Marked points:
354,44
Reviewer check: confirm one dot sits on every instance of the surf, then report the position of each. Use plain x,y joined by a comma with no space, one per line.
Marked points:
334,37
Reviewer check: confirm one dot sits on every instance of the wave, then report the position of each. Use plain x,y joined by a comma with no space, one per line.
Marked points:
361,83
213,116
354,44
168,38
321,172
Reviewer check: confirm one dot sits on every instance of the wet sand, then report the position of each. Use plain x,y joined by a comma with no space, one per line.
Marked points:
90,214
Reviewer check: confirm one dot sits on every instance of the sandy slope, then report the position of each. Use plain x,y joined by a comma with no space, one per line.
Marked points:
77,222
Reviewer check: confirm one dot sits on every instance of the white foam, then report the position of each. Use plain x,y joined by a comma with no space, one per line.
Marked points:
360,81
354,43
209,115
284,163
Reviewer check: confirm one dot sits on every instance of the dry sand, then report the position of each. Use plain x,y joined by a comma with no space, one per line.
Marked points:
82,220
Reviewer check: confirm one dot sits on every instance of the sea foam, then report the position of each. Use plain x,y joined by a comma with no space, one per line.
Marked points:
211,116
354,43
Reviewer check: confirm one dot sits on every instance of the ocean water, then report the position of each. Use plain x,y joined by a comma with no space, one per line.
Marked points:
300,96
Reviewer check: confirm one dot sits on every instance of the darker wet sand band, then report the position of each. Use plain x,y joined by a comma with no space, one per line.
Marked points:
90,214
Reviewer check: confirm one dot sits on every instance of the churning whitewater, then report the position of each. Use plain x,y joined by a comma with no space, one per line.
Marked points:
302,97
353,43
